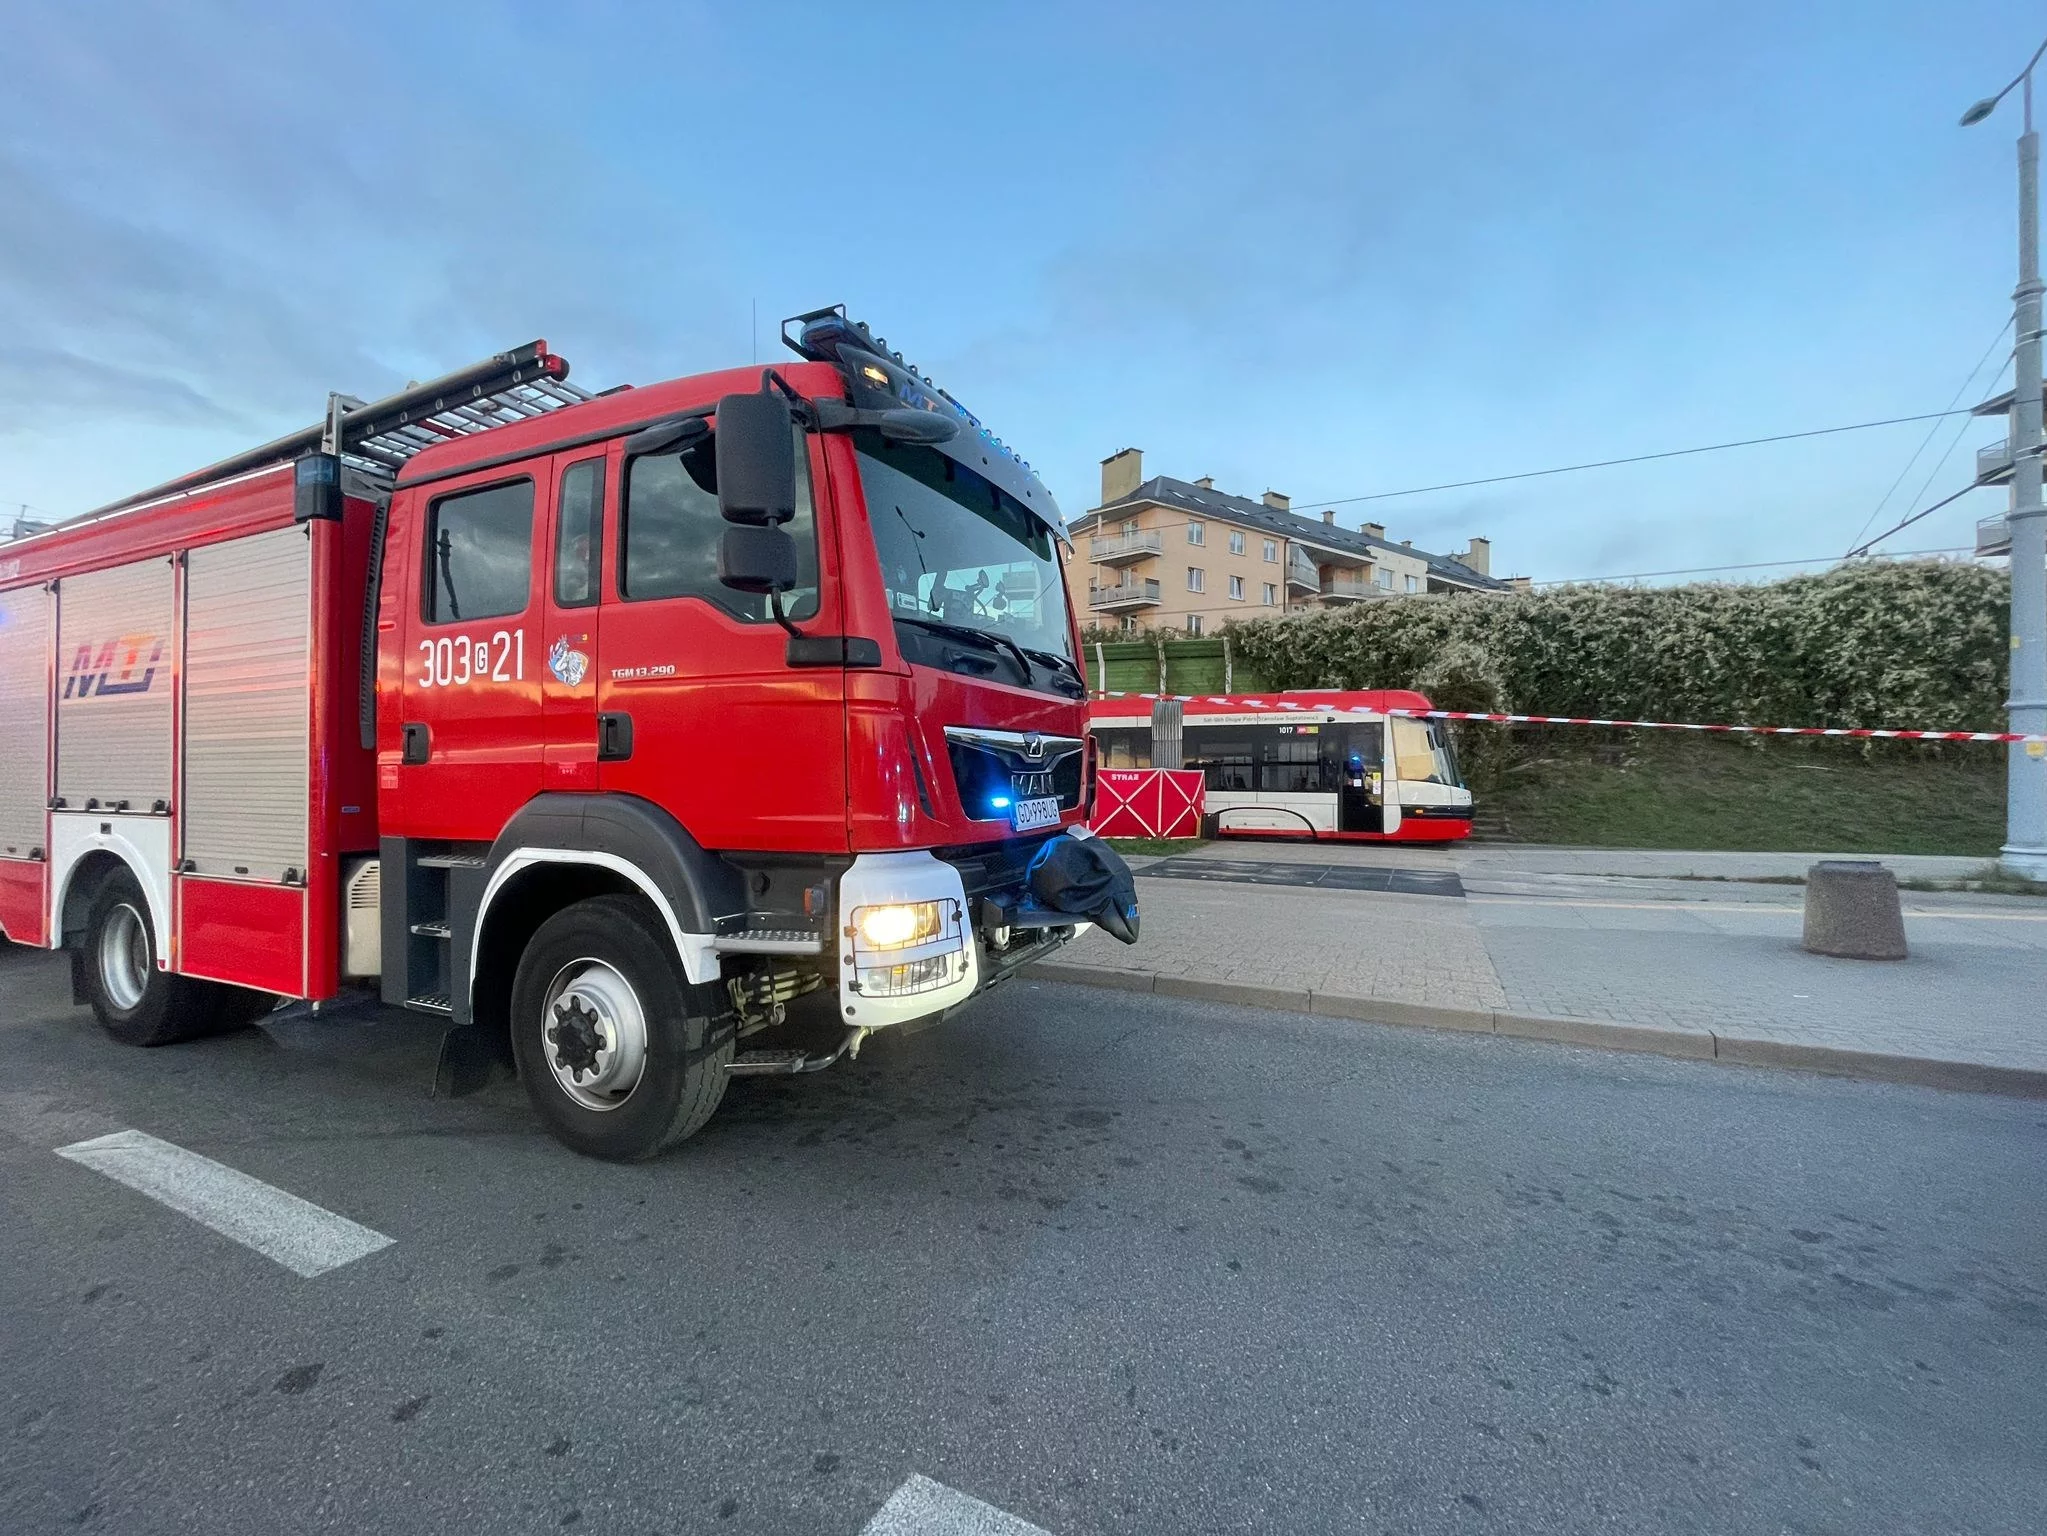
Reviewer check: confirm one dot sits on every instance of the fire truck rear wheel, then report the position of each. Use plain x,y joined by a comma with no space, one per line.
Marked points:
620,1055
134,1001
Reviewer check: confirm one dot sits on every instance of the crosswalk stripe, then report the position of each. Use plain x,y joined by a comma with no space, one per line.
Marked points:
301,1236
922,1507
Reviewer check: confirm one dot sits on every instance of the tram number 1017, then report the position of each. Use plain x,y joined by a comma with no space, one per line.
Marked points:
455,661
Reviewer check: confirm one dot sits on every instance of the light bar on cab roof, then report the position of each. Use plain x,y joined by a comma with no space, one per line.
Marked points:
828,336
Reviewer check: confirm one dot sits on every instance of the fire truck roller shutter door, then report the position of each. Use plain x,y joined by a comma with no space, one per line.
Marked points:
248,612
24,761
114,674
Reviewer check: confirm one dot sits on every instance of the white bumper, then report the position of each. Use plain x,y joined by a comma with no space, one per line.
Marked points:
940,973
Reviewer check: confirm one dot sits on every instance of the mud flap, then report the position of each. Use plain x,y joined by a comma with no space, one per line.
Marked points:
469,1060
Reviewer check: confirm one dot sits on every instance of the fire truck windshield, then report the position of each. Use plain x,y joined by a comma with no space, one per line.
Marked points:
957,554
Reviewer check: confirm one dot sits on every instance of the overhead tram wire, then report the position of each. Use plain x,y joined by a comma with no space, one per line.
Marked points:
1884,500
1908,522
1637,458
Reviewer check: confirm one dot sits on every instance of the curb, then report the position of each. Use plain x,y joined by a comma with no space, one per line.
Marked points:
1690,1044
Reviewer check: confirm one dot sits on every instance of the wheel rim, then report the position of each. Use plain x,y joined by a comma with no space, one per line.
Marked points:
594,1033
124,957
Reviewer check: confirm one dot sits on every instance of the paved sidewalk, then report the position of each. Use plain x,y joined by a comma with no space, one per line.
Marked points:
1577,946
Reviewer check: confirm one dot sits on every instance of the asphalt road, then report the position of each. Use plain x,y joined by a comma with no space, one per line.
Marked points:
1110,1263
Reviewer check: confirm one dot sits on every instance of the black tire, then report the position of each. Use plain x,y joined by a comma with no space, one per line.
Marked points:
686,1049
164,1009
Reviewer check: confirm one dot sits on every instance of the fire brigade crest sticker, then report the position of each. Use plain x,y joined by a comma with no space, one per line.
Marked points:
566,662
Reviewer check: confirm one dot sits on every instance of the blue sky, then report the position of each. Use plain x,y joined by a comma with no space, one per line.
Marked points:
1327,249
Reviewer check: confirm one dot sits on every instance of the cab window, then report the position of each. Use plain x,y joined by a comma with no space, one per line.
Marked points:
479,548
578,528
670,530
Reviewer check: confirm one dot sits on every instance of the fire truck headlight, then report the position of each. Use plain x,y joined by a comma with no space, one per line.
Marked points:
899,926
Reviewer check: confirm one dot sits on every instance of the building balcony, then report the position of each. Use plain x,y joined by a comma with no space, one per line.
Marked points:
1124,597
1337,590
1126,548
1301,574
1993,536
1993,462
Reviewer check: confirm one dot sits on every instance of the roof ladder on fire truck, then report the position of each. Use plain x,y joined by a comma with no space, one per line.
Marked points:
375,438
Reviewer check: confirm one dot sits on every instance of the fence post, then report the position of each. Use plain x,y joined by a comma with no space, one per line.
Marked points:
1101,670
1228,678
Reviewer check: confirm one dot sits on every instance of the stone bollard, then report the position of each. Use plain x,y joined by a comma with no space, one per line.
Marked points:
1851,910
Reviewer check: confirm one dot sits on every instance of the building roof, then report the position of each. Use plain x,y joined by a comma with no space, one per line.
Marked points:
1165,491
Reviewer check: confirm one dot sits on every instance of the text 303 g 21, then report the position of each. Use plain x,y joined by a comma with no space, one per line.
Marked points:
454,661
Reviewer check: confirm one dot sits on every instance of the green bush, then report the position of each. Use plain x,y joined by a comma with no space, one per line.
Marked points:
1900,644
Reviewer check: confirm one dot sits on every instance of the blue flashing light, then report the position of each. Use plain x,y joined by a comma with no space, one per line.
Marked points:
998,802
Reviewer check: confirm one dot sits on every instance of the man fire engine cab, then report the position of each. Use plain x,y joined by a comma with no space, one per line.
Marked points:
628,733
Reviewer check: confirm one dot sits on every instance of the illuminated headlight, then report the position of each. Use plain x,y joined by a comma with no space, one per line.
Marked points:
899,926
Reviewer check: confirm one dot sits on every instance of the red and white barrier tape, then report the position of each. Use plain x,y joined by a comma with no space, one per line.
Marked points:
1636,725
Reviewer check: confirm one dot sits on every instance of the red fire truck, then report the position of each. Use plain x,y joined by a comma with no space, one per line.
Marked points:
603,728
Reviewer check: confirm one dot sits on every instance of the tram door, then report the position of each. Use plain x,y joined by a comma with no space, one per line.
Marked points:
1353,759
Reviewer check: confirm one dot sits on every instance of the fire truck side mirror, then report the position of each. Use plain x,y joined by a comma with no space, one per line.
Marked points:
757,559
756,461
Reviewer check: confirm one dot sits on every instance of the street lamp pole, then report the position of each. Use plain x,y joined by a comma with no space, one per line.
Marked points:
2025,841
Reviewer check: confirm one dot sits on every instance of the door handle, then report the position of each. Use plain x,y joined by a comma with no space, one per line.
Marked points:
418,743
614,736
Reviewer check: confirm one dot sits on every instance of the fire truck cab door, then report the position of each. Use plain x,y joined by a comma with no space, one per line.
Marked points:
700,709
581,523
473,656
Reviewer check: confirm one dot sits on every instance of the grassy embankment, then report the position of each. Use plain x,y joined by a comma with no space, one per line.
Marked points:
1721,793
1652,791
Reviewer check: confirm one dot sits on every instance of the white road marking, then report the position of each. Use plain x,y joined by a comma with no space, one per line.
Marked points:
922,1507
298,1234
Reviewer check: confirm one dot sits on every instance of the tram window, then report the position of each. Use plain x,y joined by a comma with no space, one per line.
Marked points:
1223,756
1422,754
1292,763
1127,747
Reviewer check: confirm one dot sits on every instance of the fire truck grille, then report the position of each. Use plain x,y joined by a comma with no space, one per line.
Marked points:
995,770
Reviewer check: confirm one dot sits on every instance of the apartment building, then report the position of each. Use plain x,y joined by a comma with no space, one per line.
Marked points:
1182,554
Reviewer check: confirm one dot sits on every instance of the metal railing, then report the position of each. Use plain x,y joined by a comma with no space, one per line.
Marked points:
1126,546
1993,536
1123,594
1993,458
1345,587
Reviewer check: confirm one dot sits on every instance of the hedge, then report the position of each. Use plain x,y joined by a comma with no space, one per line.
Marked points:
1901,644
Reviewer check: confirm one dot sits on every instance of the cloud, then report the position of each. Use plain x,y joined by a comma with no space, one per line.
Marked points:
40,386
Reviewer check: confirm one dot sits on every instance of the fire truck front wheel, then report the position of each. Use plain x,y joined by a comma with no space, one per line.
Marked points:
134,1001
620,1055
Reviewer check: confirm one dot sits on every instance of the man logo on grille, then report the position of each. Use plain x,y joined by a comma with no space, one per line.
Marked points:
1033,746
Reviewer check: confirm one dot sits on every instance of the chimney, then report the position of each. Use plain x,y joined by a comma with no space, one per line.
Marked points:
1520,583
1374,530
1206,482
1277,502
1122,474
1329,516
1479,557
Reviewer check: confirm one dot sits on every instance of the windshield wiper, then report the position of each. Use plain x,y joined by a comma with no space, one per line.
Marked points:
1063,664
968,633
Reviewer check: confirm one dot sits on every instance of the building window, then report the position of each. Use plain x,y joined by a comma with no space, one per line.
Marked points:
1272,552
1197,533
1271,594
1413,585
1197,579
1236,543
1385,578
1129,625
1193,623
1237,588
